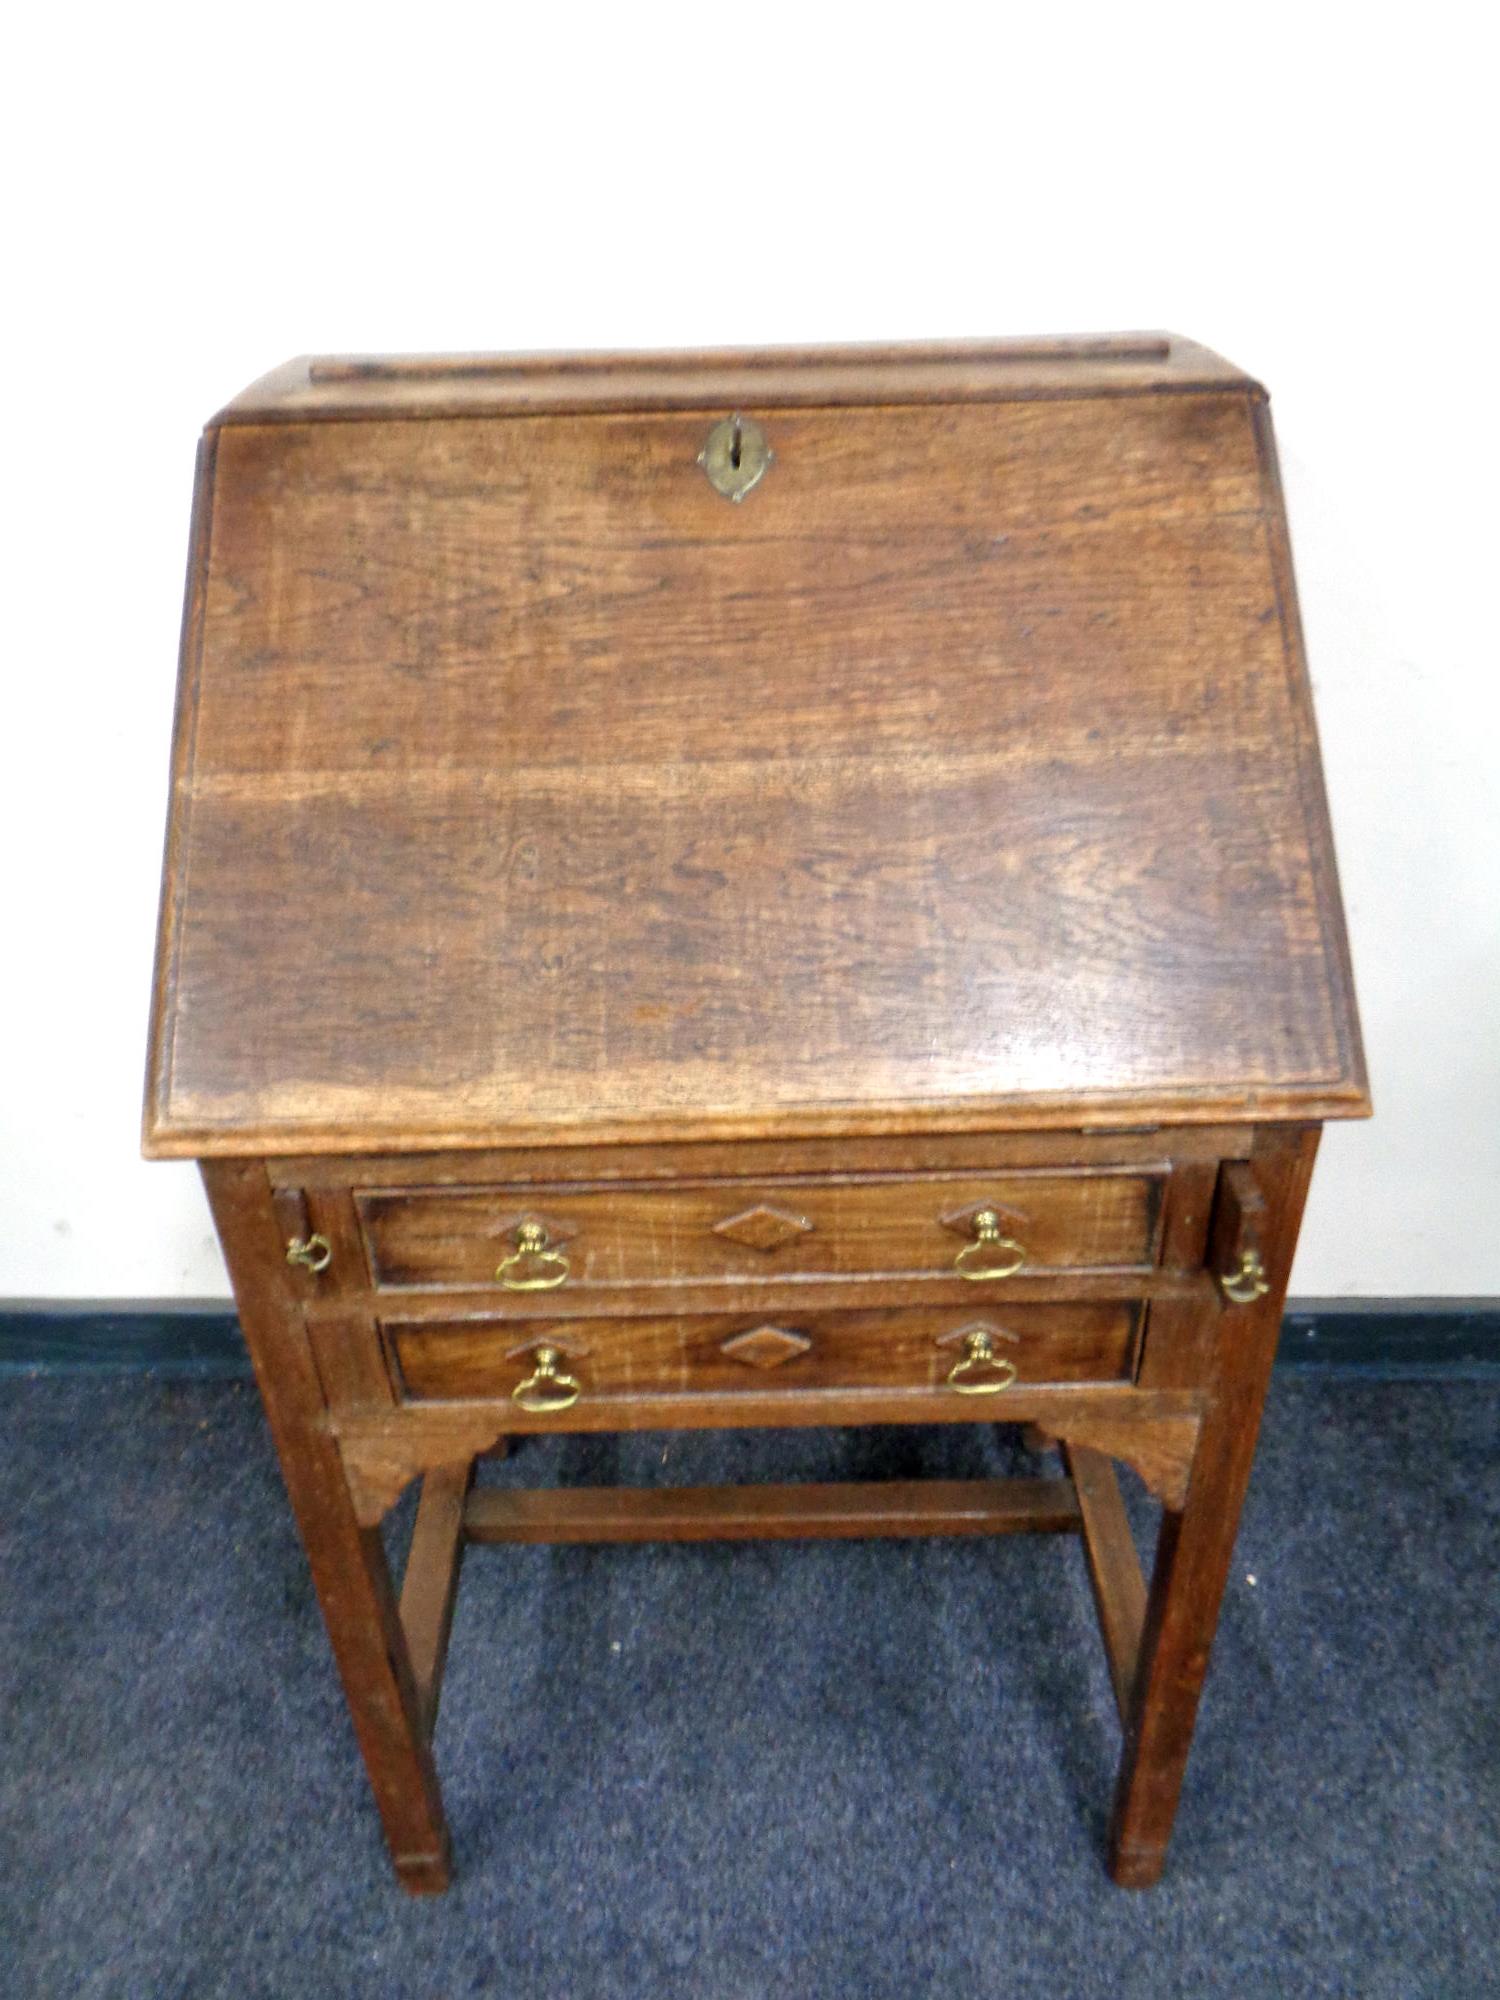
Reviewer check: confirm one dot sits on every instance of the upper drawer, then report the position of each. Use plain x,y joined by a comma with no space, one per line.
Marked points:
930,1225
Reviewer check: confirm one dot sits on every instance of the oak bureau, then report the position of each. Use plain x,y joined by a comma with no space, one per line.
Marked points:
751,888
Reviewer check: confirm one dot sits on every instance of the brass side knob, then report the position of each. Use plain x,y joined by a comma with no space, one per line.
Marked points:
1000,1256
549,1388
313,1253
1243,1286
532,1254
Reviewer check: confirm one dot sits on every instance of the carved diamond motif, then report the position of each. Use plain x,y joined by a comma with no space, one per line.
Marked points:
766,1346
763,1227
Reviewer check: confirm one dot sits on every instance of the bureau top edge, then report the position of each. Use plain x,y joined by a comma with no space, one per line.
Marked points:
351,388
1088,1117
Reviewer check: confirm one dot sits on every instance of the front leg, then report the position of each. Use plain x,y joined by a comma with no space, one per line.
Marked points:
348,1562
1196,1543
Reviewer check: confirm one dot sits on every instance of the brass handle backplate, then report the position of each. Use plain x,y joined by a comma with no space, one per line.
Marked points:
549,1388
313,1253
548,1267
736,457
1003,1255
979,1370
1248,1283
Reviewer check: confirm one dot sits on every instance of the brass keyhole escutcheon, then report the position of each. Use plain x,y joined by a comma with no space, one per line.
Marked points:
736,457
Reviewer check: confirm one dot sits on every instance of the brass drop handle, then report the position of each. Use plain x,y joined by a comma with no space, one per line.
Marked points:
549,1267
313,1253
1002,1255
1248,1283
979,1370
550,1387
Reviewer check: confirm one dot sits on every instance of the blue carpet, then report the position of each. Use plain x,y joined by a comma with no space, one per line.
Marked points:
807,1771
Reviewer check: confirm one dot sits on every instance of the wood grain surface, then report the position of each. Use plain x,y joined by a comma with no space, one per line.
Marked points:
529,790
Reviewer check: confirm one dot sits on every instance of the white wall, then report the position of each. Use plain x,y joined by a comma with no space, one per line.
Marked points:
198,195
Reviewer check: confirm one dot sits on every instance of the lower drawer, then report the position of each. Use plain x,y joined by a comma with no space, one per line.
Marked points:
946,1350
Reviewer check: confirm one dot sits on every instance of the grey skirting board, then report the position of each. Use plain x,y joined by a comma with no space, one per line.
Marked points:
201,1337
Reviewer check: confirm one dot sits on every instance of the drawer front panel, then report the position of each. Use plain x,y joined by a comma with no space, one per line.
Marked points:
917,1226
724,1354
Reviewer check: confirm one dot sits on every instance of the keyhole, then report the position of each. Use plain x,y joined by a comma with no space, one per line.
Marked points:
735,456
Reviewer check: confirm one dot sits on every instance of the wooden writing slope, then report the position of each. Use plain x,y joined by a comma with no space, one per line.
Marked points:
744,889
